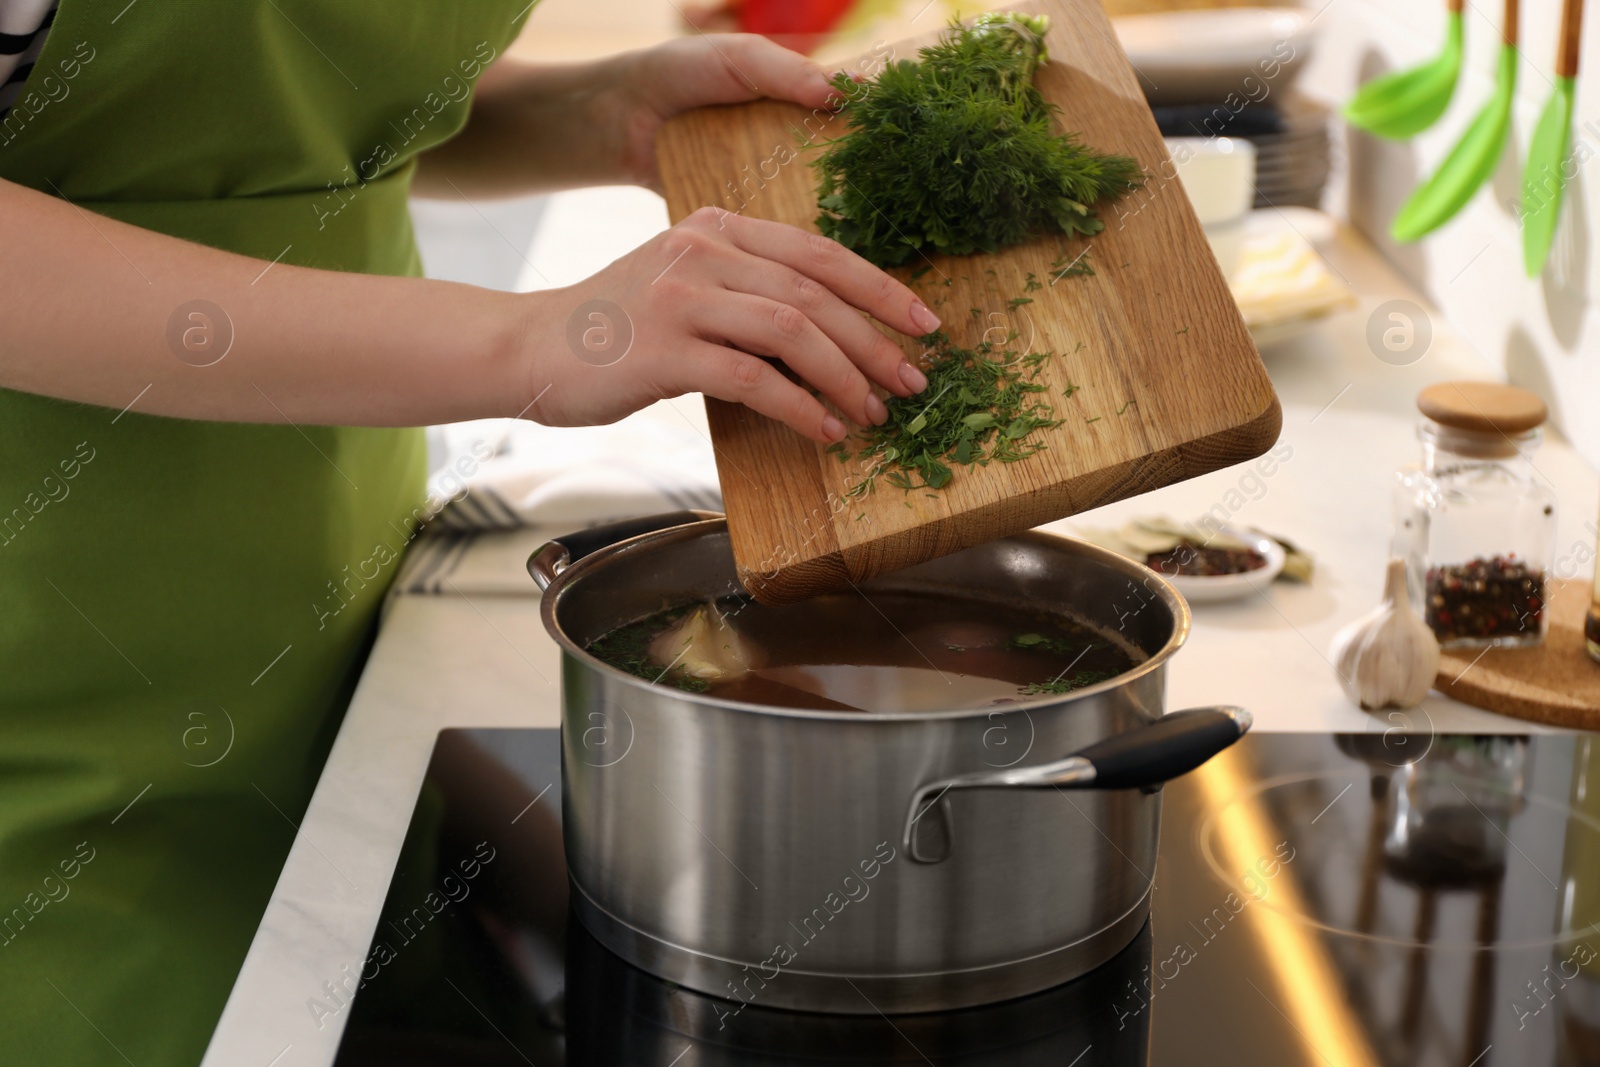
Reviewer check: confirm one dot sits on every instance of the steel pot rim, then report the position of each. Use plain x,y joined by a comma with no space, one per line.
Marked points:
549,605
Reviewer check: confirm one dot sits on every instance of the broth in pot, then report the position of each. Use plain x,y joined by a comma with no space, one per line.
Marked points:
897,652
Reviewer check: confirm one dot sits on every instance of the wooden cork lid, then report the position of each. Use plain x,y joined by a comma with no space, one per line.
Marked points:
1482,407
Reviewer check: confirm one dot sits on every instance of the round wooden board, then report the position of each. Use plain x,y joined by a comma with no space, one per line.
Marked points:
1556,683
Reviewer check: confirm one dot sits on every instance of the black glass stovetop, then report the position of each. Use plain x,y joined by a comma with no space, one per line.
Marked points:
1321,900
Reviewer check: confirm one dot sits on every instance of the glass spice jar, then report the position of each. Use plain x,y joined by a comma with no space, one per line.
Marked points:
1473,521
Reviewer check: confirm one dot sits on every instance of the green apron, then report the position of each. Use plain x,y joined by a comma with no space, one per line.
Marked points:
186,605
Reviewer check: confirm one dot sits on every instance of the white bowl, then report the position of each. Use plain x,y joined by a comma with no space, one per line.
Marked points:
1217,173
1204,590
1203,56
1219,176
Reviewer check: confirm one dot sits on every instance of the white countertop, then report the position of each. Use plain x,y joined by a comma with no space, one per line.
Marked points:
484,660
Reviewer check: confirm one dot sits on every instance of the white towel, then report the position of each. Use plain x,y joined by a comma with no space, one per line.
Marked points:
505,475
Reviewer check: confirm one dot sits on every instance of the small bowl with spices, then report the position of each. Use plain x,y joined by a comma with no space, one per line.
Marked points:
1473,521
1204,562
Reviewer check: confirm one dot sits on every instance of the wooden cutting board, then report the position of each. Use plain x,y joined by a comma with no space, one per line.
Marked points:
1170,383
1556,683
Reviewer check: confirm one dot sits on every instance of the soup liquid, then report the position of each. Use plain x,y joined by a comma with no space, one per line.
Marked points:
897,652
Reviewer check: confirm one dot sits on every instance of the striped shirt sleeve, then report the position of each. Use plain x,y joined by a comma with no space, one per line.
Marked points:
24,25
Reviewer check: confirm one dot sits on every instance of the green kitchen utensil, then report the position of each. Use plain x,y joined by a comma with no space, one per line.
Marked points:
1545,178
1405,103
1436,201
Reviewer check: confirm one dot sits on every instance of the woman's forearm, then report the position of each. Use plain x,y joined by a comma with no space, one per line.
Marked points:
539,127
104,312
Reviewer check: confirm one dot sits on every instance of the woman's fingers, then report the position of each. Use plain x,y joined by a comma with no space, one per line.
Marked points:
766,327
835,266
741,378
728,69
862,343
776,71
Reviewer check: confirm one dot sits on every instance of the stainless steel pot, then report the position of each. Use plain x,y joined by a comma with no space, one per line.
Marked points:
854,862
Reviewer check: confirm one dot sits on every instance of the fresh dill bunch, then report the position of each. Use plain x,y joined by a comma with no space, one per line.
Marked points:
982,405
956,152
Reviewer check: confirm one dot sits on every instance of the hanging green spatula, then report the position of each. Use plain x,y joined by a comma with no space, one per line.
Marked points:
1543,181
1436,201
1405,103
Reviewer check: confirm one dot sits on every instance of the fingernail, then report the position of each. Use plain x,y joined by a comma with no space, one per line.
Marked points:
875,410
925,320
832,428
915,380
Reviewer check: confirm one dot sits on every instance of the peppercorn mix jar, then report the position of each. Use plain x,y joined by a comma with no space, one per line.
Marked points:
1474,520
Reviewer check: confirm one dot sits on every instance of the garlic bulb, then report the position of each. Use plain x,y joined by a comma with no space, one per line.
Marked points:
1389,657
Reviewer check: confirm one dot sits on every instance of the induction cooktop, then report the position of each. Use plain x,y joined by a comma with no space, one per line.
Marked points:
1384,898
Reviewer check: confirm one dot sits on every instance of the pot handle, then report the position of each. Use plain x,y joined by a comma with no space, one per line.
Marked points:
1171,746
559,553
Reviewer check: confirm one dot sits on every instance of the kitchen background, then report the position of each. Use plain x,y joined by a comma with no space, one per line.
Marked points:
1533,329
1472,269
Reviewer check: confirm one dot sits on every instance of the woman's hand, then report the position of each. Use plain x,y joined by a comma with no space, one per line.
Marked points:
706,69
694,308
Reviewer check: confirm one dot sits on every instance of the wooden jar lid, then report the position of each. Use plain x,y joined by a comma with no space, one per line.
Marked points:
1482,407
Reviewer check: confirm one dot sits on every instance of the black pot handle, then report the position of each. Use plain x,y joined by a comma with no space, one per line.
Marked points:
1171,746
559,553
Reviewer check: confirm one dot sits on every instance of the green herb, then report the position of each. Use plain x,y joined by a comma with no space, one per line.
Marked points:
1182,331
1070,389
956,152
1095,419
920,271
1056,646
1125,407
982,405
1079,267
1080,680
1017,301
1032,285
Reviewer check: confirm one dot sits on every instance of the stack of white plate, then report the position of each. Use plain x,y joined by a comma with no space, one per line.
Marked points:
1292,166
1229,72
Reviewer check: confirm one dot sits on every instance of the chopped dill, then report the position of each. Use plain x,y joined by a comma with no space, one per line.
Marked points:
1056,646
1079,680
1078,267
982,405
